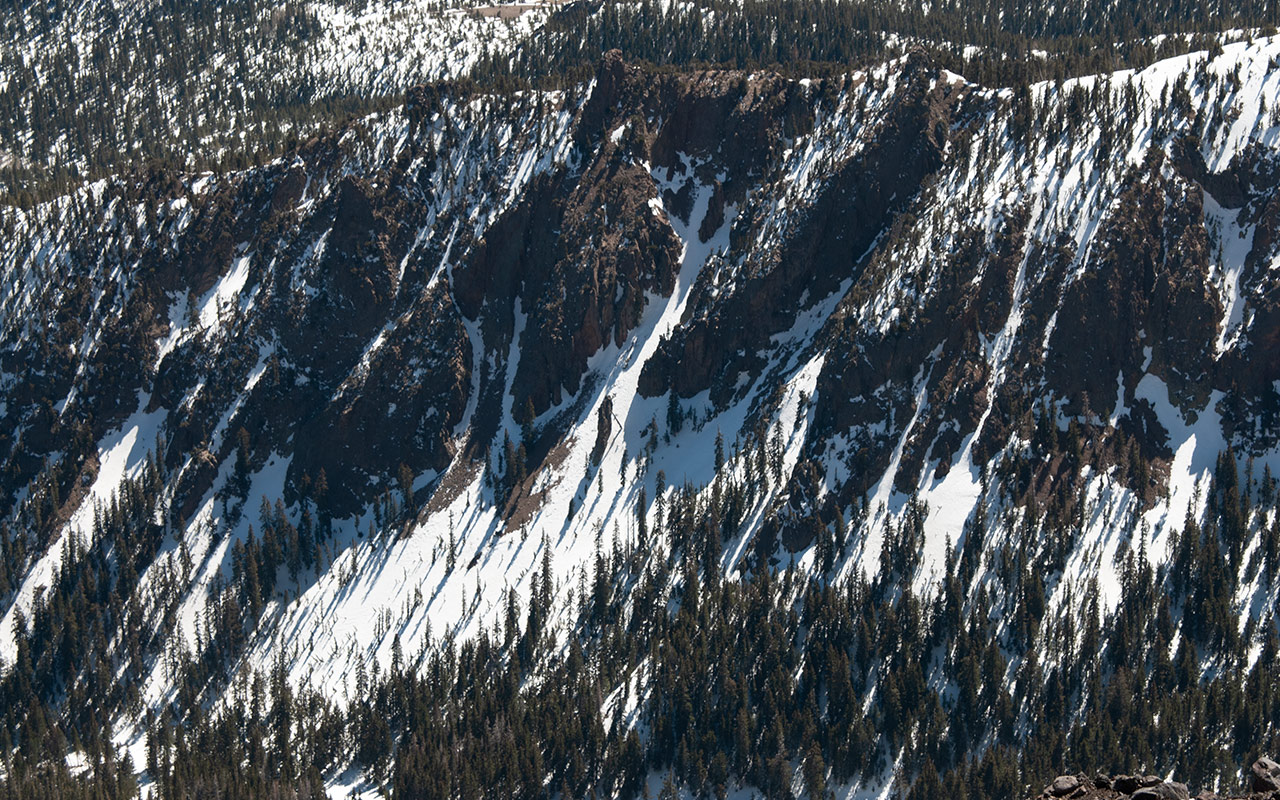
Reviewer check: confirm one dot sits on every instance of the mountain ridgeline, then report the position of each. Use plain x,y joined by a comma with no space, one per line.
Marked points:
680,430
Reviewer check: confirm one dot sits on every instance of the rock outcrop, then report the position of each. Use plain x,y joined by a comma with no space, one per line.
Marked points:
1264,782
1265,775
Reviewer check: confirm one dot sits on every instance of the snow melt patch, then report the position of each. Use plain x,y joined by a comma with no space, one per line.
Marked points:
226,290
1234,244
1196,444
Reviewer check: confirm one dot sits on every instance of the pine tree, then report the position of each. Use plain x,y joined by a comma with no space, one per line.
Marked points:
675,415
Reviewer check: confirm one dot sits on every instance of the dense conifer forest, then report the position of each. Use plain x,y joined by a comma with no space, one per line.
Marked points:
746,678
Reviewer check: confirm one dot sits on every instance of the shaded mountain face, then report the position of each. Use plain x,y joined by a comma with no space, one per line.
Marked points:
455,347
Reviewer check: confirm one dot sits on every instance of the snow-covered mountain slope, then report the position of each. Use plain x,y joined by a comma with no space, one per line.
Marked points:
891,320
93,85
90,88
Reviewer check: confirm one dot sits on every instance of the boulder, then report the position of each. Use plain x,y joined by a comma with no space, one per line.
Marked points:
1128,784
1166,790
1266,775
1062,785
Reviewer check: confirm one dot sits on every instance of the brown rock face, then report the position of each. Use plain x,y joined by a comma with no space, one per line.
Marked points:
720,339
584,248
578,254
1147,288
288,190
401,411
611,250
358,270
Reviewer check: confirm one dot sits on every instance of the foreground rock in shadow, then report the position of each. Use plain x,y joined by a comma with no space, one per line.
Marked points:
1263,781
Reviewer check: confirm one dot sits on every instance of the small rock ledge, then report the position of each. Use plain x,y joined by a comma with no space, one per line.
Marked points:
1263,782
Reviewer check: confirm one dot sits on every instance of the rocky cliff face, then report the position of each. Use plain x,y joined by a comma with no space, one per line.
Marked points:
480,333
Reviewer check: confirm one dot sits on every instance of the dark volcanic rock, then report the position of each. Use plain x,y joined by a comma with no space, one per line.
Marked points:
1128,784
1165,790
1265,775
289,189
1147,289
720,339
1063,785
358,269
400,410
604,427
